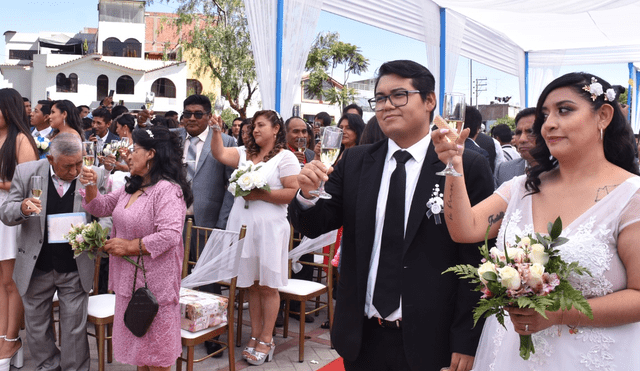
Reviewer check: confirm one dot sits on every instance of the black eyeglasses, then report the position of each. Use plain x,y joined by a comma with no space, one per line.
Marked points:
397,98
197,114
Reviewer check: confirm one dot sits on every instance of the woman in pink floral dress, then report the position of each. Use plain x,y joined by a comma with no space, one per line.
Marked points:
148,217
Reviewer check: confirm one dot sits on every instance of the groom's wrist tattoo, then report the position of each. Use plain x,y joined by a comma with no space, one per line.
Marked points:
496,218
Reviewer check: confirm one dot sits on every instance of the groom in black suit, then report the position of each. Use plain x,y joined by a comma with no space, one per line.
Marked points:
395,310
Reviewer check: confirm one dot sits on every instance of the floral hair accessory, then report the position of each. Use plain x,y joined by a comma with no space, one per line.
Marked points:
150,133
596,90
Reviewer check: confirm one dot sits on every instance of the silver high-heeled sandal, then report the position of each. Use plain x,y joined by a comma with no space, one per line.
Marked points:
16,359
260,357
248,350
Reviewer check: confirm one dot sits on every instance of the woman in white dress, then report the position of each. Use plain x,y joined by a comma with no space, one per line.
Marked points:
263,267
16,146
586,175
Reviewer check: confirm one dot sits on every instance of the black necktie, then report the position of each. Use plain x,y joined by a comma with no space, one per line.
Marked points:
386,295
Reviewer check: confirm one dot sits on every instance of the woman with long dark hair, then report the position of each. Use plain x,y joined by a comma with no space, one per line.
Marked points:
148,216
263,267
64,118
586,175
16,146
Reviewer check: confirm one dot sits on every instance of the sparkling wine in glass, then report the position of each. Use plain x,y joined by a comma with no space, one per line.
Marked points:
89,156
453,109
301,143
36,186
331,140
218,106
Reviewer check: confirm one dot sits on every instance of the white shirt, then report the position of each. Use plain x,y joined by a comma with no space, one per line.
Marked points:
413,168
57,181
43,133
499,154
199,145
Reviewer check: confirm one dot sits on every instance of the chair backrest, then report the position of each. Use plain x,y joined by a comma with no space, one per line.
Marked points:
326,257
218,261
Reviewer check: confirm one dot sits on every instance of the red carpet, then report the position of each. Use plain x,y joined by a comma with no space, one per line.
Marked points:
334,366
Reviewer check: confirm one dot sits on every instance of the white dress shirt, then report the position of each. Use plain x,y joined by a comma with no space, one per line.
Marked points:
57,181
413,168
43,133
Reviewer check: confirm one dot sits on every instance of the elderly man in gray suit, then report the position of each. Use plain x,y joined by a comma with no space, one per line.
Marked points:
525,141
43,266
209,178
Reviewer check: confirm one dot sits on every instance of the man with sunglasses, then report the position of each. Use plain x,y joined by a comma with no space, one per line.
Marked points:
395,308
209,178
525,140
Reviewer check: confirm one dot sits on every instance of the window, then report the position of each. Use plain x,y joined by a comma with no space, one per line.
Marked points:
193,87
120,11
22,54
102,85
112,47
164,88
132,48
124,85
67,85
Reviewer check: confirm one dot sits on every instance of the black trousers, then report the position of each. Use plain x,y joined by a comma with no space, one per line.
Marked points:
382,350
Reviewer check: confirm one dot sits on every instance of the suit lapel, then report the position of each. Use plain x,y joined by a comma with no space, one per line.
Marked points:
367,197
424,187
45,172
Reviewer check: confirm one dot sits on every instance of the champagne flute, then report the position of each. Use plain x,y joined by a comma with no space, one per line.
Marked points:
218,106
149,100
36,186
453,109
331,140
301,144
89,156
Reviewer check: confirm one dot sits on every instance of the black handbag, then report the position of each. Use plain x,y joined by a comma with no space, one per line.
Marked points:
142,307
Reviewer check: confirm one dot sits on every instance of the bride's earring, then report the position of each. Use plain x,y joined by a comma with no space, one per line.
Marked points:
601,135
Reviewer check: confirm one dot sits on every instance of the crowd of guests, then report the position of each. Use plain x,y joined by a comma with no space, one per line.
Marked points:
178,166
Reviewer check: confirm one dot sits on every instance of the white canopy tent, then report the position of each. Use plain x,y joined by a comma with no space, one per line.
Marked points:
530,39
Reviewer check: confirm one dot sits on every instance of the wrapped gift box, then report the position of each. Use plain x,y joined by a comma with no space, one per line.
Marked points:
200,310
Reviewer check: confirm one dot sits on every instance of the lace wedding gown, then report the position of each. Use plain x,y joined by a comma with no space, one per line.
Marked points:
592,242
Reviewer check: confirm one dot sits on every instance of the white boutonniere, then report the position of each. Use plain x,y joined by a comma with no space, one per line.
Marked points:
436,204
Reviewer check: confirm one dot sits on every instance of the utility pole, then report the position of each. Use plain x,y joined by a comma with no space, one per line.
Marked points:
481,85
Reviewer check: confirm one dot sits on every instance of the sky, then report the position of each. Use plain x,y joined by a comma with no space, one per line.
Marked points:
375,44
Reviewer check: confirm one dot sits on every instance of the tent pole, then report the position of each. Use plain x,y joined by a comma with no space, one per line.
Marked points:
628,93
443,59
279,36
526,79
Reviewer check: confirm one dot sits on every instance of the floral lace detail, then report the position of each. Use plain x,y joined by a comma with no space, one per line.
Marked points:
598,357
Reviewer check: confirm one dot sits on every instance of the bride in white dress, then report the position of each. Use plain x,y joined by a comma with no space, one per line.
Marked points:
263,267
585,174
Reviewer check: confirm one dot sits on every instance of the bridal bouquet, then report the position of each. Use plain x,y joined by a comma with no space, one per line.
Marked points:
42,144
90,239
530,274
112,149
246,178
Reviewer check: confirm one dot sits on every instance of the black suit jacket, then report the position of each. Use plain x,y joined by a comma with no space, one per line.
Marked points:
486,142
436,308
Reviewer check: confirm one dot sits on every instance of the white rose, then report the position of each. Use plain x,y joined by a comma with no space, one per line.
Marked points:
524,243
258,180
535,276
245,182
509,278
538,256
611,95
235,173
516,254
232,188
596,88
484,268
496,254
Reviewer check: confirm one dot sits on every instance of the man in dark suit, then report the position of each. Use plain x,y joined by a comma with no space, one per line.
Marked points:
414,318
44,267
209,178
525,141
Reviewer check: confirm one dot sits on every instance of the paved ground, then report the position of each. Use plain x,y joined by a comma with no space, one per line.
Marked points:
317,351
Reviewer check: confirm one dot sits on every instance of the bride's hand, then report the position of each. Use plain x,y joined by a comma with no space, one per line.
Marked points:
256,194
527,321
448,150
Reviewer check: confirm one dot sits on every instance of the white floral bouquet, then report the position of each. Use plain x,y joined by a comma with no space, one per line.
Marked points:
246,178
112,149
42,144
530,274
90,239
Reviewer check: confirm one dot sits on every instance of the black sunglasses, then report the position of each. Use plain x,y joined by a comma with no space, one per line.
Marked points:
197,114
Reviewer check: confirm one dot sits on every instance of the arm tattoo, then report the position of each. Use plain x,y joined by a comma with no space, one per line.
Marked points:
450,198
496,218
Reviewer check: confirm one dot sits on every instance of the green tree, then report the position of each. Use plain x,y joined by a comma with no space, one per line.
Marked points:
507,120
326,55
216,35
